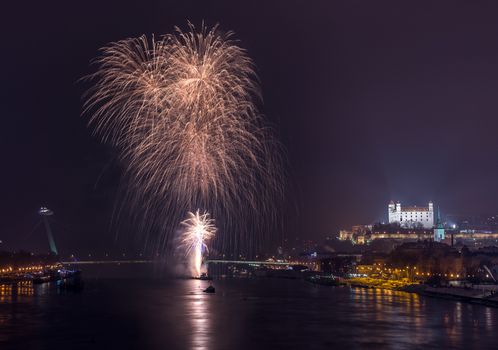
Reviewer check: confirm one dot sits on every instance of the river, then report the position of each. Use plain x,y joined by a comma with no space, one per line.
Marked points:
147,313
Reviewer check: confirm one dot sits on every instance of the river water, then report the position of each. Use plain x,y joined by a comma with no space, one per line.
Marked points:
144,313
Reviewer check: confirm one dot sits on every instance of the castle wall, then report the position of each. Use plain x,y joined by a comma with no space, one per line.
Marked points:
411,216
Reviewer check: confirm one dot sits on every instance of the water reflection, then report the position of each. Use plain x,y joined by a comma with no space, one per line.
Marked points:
243,314
488,319
14,292
199,314
427,320
396,314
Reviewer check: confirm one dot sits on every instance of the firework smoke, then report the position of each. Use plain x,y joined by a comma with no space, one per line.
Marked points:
197,229
181,111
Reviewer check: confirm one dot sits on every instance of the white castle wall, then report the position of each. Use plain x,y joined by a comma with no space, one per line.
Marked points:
411,216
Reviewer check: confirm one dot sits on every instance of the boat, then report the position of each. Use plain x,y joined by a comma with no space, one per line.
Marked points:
203,277
324,280
58,275
69,273
209,289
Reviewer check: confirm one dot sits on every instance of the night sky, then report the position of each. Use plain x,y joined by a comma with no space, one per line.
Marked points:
373,100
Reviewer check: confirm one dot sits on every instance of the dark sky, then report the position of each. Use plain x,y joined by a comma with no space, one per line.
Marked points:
374,100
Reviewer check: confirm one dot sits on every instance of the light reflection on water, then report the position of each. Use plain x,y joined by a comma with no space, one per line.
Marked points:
425,321
243,314
387,308
199,313
15,292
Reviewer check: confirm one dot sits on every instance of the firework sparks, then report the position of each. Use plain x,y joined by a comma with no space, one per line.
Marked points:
181,111
197,229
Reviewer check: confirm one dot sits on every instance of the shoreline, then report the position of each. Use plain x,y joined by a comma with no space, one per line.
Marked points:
471,296
454,293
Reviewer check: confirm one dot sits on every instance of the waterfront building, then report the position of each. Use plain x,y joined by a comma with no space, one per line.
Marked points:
345,235
356,235
411,216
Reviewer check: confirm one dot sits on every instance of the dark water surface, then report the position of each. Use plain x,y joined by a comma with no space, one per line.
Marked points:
243,314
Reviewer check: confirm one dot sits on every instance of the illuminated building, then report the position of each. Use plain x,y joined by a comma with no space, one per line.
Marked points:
411,217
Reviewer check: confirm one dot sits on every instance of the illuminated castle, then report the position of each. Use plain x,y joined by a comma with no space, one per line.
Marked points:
411,217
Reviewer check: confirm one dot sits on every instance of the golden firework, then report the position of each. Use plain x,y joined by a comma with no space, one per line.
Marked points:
181,110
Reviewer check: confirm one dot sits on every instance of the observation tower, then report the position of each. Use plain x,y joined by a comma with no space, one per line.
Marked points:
44,212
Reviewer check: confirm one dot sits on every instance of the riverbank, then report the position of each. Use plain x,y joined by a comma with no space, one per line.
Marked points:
367,282
468,295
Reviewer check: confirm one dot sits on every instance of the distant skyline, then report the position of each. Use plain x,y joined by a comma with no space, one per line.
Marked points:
374,101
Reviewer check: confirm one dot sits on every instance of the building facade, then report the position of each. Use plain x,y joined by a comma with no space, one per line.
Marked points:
411,217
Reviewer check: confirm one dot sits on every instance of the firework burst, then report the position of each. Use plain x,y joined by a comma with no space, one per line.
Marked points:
181,111
197,229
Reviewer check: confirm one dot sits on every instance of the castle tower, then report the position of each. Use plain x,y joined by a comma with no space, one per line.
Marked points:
439,229
390,211
430,222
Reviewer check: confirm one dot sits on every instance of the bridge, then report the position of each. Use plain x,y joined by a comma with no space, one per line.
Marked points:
213,261
209,261
98,262
254,262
